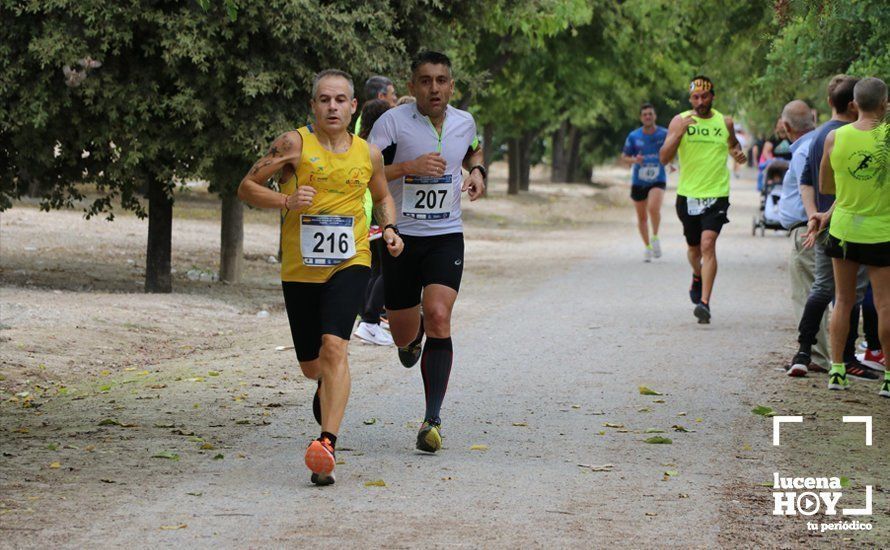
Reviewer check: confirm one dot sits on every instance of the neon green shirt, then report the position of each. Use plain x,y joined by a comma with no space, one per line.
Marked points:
702,153
862,203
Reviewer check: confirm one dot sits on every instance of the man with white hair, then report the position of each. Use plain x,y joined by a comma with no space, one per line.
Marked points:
799,123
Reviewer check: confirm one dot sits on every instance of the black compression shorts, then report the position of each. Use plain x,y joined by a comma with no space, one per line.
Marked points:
712,218
424,261
873,254
331,307
641,192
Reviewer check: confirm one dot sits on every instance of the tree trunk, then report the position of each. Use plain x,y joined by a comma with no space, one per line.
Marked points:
160,230
231,253
487,149
524,161
513,174
573,163
560,153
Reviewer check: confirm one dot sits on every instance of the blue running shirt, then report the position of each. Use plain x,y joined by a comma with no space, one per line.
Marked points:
648,145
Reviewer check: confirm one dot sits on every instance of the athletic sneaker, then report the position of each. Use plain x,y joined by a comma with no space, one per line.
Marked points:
837,380
855,369
873,358
703,313
320,460
885,387
656,246
647,254
429,438
373,334
695,290
316,405
799,365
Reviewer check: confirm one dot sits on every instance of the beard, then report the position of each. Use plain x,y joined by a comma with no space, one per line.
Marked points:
702,110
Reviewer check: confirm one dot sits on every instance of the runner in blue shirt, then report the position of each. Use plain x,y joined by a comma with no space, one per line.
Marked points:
648,179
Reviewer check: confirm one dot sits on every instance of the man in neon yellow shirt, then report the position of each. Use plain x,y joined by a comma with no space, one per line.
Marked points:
702,137
855,169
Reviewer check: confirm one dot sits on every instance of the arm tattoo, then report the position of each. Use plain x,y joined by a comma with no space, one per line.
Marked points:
382,214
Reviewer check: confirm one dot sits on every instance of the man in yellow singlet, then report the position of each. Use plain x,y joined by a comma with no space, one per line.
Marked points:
855,168
325,257
702,137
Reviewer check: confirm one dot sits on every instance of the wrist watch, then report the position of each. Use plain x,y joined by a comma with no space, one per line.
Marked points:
481,169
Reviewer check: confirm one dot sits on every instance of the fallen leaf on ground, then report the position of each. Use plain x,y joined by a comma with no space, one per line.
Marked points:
55,465
648,391
576,406
108,481
212,373
683,495
763,410
165,425
375,483
699,420
479,447
672,473
53,446
654,431
195,494
218,457
109,422
659,401
651,514
207,447
172,527
169,455
340,461
601,433
659,440
644,410
845,482
611,425
520,423
370,421
679,428
242,421
681,414
600,468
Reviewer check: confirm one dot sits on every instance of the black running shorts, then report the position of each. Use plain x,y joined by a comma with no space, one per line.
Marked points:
331,307
874,254
641,192
424,261
713,218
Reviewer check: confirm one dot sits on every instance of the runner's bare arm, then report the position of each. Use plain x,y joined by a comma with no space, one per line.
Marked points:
826,172
628,161
474,184
384,207
808,198
735,148
676,129
283,155
430,164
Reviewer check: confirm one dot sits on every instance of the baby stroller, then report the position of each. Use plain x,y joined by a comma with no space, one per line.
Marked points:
768,217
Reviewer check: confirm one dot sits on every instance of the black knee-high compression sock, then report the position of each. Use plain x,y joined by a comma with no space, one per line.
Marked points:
435,365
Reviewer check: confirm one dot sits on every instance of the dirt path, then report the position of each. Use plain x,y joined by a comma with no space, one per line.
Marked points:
558,324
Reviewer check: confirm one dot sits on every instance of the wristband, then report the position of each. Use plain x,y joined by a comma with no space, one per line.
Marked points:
481,169
393,227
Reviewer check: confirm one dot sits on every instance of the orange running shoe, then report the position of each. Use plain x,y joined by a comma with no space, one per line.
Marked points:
320,460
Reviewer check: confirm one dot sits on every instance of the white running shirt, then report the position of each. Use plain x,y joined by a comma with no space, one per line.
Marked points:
426,206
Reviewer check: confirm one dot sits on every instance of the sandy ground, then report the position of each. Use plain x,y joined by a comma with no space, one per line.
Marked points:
158,420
